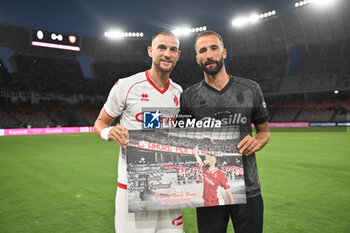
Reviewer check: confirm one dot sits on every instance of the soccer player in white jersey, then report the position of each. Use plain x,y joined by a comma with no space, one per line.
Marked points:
150,89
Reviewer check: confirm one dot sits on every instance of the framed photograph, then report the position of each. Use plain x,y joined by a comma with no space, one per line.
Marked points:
183,168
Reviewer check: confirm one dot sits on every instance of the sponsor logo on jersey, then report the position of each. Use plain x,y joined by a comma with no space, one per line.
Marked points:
151,120
229,118
144,97
177,221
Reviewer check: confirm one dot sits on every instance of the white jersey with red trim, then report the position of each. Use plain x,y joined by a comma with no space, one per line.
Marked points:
131,96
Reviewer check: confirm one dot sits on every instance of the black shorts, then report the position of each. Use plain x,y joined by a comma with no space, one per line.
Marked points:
246,218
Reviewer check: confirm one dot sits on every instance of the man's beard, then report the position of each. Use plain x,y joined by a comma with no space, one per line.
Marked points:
161,69
214,71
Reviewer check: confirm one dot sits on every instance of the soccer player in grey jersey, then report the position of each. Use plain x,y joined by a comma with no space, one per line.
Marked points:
235,101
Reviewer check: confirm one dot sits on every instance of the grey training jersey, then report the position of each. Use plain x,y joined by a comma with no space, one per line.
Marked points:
240,103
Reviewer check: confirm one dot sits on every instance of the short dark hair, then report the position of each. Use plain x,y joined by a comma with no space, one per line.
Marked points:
208,33
165,33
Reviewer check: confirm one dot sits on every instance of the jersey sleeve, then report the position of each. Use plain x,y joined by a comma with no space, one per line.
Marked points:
115,103
260,114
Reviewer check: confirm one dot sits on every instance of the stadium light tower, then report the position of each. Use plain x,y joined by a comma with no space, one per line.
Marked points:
185,31
118,34
251,19
320,3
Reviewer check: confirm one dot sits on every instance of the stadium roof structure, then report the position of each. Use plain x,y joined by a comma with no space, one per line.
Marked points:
304,25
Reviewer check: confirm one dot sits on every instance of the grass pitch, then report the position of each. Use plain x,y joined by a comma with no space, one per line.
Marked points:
66,183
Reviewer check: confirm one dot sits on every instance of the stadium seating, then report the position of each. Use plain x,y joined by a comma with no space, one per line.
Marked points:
342,112
55,92
90,114
8,120
265,69
318,111
287,111
31,116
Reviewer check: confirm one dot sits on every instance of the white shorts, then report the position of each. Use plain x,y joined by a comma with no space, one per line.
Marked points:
162,221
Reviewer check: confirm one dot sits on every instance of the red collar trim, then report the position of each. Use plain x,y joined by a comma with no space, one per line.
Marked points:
155,86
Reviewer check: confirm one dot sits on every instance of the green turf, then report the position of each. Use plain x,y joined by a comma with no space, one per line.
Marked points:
66,183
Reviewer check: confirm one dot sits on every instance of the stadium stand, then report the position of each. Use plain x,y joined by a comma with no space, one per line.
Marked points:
287,111
265,69
31,116
8,120
318,111
46,74
89,113
186,73
48,87
113,70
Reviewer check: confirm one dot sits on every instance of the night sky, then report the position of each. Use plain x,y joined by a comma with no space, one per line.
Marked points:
94,17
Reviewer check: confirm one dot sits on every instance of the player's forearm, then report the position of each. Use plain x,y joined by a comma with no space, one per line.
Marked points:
199,160
262,135
230,197
263,138
99,126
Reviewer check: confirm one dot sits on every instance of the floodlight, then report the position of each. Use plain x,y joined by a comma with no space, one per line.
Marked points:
186,31
40,35
254,18
114,34
324,3
241,21
182,31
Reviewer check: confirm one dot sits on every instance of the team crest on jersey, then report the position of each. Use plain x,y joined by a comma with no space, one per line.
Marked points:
144,97
176,100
